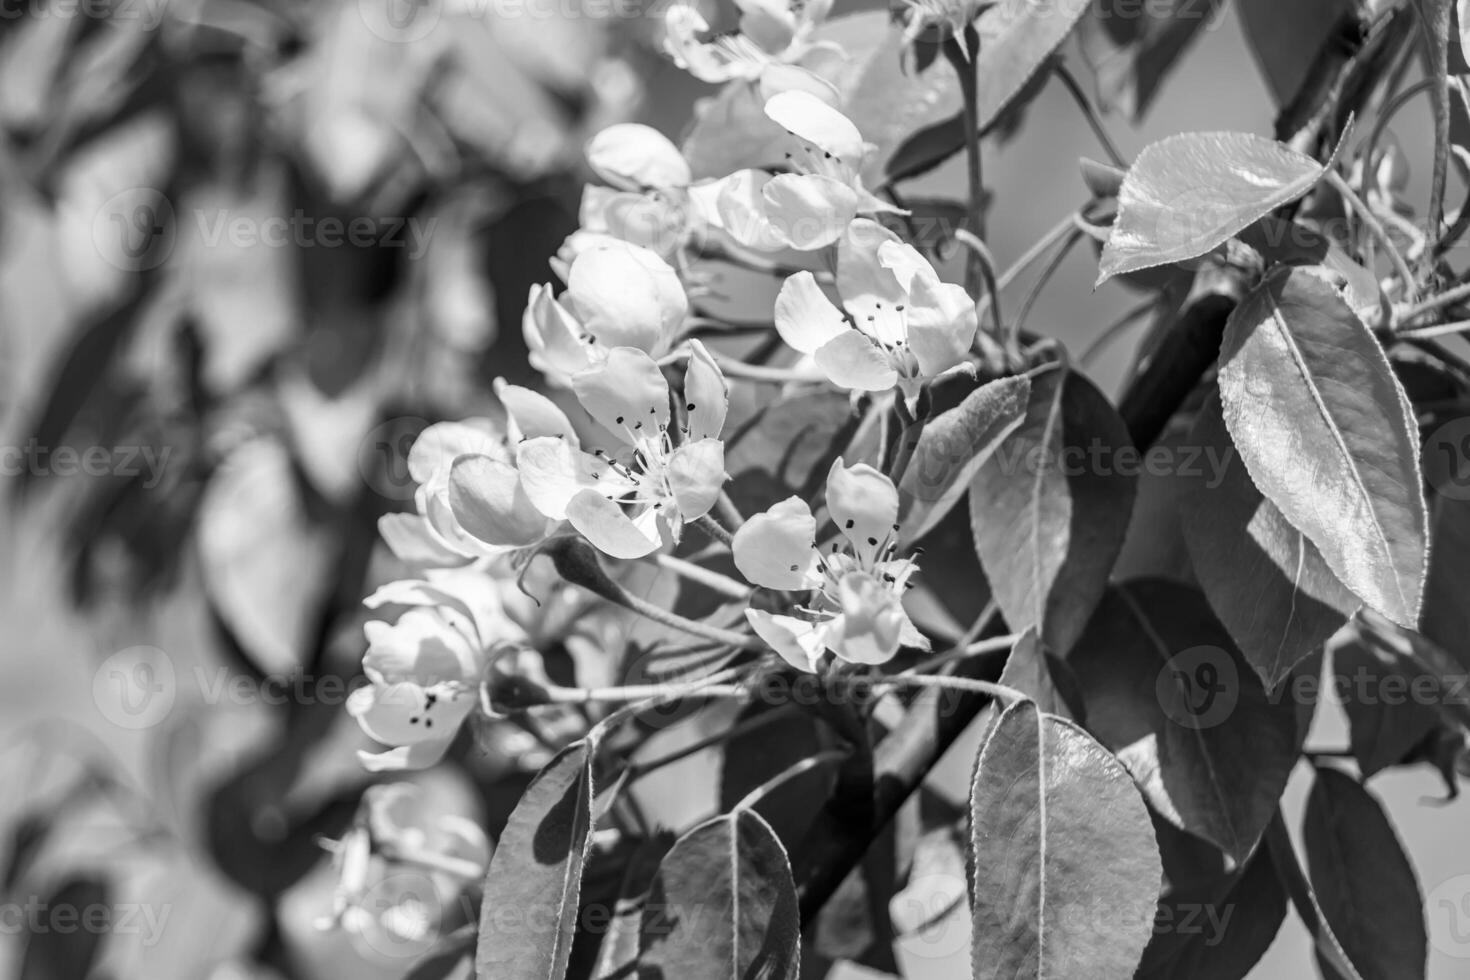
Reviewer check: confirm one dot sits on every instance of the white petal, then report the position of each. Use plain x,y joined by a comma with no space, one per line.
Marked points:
490,504
871,622
533,415
407,714
553,472
655,221
740,205
706,395
552,334
850,360
626,296
409,538
941,327
809,211
769,23
775,548
420,755
610,531
736,57
422,647
805,318
696,472
631,155
808,117
438,446
793,78
872,291
863,505
799,642
625,394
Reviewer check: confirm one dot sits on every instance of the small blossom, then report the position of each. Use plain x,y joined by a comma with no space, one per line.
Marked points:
618,295
811,206
856,610
940,20
899,325
425,668
631,500
772,32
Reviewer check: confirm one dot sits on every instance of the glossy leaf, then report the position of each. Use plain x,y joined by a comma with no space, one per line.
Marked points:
953,447
1323,427
1186,194
529,911
1050,508
1268,584
722,906
1364,882
1169,693
1066,869
1132,47
1330,954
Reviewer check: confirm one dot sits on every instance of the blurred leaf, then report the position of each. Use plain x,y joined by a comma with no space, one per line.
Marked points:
1268,584
447,957
750,759
1132,46
1446,617
1380,693
1186,194
952,448
266,566
1434,15
1324,429
722,905
529,910
57,953
1060,833
1016,38
1167,690
1363,880
1283,37
1050,507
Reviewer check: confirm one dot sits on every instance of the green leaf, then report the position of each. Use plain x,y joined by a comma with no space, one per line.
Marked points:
1324,429
1225,937
1016,38
1066,868
1043,677
1363,880
529,911
1268,584
1131,46
1167,691
1050,508
1186,194
722,906
952,447
1293,243
1283,37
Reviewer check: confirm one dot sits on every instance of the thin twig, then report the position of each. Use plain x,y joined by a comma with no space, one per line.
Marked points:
786,775
1375,228
1089,113
723,584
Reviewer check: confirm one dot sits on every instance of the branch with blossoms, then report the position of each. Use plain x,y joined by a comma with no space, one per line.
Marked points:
703,532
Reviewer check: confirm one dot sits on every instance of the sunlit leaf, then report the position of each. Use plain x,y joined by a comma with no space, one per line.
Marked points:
1323,427
1066,869
722,906
529,911
1050,507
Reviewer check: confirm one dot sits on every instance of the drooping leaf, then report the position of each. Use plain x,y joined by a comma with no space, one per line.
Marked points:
1268,584
1323,427
953,447
1283,37
1016,38
1058,834
1225,937
63,953
1364,882
529,912
1050,508
1186,194
1386,720
1330,953
722,906
1169,693
1132,46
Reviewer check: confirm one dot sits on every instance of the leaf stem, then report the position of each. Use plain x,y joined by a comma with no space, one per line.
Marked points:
962,651
1375,228
728,511
948,683
1447,298
723,584
638,769
981,255
716,685
1089,113
1050,270
715,529
955,52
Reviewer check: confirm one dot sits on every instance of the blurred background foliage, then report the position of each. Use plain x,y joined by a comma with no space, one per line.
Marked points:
278,387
